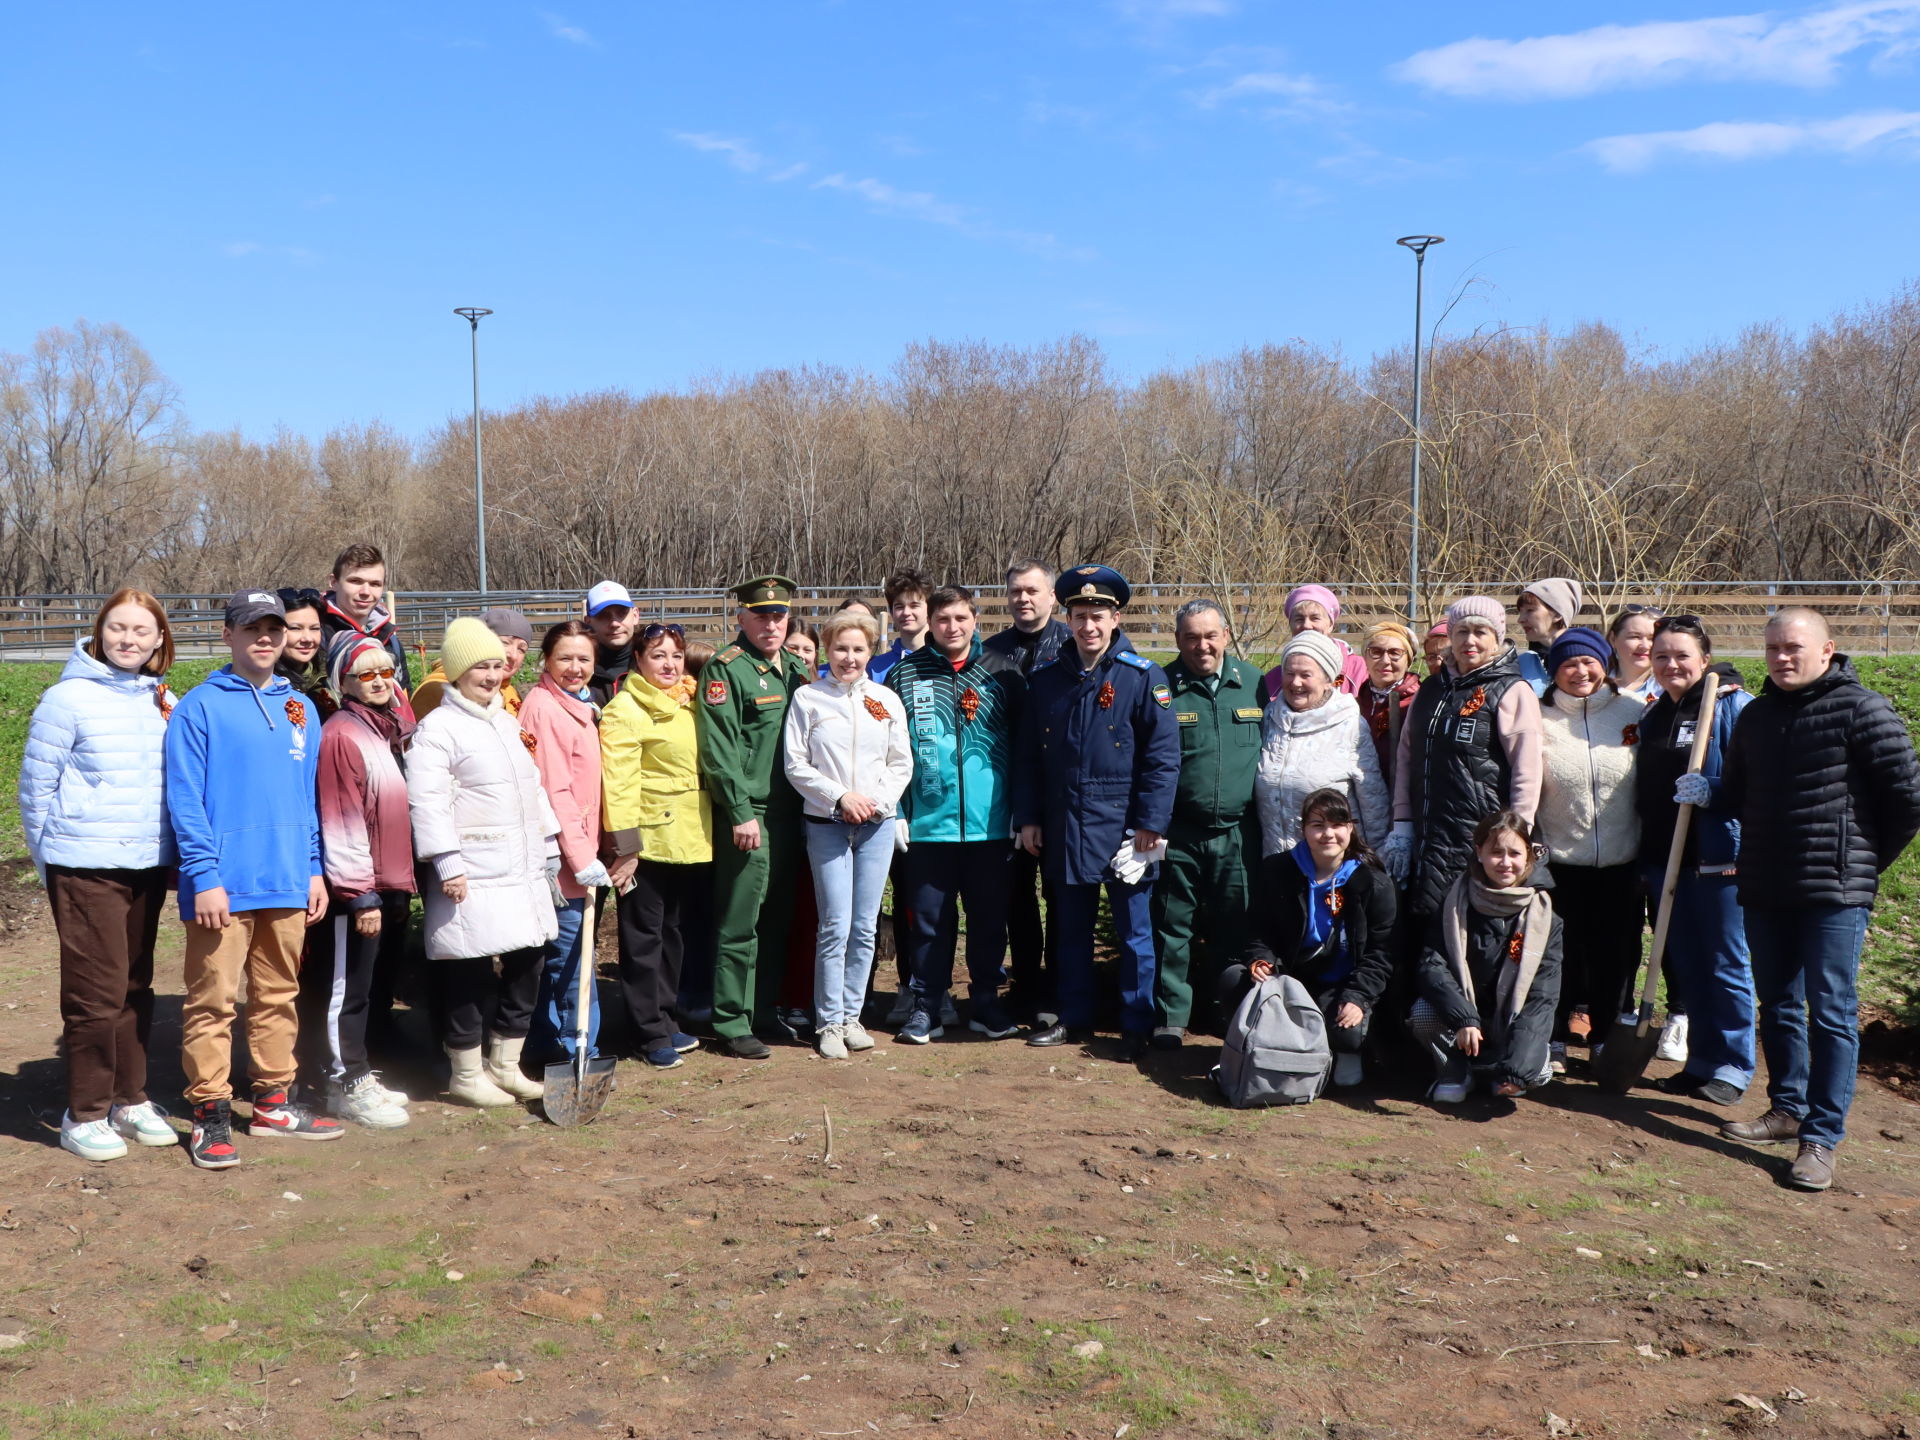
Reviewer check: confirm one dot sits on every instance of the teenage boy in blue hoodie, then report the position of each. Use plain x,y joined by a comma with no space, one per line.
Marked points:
243,750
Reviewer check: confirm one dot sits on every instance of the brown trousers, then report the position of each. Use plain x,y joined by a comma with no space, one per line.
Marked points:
265,946
107,920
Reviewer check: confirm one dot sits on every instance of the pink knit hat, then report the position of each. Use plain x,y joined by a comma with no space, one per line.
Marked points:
1327,599
1483,608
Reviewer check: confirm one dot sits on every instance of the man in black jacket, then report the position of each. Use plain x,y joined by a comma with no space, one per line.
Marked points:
1823,776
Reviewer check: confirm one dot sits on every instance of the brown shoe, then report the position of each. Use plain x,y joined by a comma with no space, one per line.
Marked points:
1812,1167
1774,1126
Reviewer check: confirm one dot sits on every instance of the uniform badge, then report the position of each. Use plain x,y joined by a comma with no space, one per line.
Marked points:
1106,696
763,682
1187,717
716,692
1089,570
1163,697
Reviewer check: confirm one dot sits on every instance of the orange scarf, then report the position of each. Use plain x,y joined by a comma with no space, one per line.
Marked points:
681,690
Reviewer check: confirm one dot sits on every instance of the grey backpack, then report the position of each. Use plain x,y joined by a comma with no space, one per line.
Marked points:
1276,1047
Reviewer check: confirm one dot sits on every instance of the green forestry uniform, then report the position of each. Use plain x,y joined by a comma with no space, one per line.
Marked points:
742,711
1202,894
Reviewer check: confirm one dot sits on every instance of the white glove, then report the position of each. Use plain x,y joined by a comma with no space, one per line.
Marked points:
902,833
1692,789
593,877
1130,864
1397,853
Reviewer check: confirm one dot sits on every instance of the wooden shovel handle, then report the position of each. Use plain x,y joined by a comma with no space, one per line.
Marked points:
1696,757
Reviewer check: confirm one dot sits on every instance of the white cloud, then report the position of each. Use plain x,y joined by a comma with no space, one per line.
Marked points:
1276,91
560,29
739,154
1163,11
1758,140
1805,49
914,204
239,248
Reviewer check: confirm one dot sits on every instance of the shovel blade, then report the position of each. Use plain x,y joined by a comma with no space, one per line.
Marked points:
1630,1044
570,1098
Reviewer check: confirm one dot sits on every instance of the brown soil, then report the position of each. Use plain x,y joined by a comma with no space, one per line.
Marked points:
1006,1242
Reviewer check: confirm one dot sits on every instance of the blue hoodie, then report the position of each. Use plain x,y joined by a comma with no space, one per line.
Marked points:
240,791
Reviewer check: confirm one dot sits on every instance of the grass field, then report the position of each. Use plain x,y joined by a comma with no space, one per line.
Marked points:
1890,978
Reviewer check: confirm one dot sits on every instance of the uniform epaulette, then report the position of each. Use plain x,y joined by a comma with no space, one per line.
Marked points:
1135,659
732,652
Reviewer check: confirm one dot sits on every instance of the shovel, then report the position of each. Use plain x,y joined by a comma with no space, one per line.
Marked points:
1631,1041
576,1090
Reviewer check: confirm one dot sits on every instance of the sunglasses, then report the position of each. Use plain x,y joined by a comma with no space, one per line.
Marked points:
1638,609
1685,622
386,674
656,630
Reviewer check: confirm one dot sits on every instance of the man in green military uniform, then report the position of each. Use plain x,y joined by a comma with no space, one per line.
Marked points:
742,710
1202,896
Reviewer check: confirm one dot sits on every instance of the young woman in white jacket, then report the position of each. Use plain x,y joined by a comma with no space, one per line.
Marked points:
482,820
1591,826
1313,737
847,754
94,807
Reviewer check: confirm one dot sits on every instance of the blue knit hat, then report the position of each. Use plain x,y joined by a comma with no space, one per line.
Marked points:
1580,640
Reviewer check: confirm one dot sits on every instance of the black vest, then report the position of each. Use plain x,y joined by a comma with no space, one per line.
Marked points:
1458,772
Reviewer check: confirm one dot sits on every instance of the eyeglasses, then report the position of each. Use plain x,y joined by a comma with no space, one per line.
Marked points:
656,630
371,675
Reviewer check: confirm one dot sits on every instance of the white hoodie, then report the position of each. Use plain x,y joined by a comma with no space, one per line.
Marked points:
1303,750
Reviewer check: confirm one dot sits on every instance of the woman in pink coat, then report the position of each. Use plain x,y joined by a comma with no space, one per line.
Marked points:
562,727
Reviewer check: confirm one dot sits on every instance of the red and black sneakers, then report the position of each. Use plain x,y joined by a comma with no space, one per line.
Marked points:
275,1114
211,1144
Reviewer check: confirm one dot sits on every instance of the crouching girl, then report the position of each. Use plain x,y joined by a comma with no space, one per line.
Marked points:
1324,915
1489,975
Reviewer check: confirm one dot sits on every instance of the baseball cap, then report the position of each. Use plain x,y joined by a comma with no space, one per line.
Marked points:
246,606
607,592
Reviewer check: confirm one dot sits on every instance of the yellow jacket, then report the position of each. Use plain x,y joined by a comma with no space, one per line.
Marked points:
427,693
651,798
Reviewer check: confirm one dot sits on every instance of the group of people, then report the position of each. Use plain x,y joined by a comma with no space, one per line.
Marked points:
1461,864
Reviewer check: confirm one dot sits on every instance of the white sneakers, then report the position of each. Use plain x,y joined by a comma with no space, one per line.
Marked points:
91,1139
833,1042
97,1140
144,1124
1448,1092
1673,1040
855,1036
366,1103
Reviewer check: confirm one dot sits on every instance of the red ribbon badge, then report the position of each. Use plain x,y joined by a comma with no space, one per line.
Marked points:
1335,901
531,741
1106,696
297,713
1630,735
1476,702
1514,945
969,704
875,708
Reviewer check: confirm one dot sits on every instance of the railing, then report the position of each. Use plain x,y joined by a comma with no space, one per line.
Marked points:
1867,618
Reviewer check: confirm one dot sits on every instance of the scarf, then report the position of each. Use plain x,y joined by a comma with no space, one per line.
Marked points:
393,723
1536,925
680,692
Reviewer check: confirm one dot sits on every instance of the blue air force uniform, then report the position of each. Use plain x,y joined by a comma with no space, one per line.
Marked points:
1098,755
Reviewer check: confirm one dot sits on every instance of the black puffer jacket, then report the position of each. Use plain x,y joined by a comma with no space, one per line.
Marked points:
1458,772
1366,919
1827,789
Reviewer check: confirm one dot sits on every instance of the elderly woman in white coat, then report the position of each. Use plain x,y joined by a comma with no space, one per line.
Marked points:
847,754
482,820
1315,737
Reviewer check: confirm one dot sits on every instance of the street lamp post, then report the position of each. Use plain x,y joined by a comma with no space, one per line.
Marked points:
472,314
1418,244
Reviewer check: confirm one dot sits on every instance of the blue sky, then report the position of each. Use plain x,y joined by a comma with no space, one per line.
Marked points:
285,203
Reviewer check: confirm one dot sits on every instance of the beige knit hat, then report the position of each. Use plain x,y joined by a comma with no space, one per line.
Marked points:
1316,647
467,643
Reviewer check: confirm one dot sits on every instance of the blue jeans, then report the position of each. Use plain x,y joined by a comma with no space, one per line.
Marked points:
941,877
1707,958
1079,907
556,1017
1806,960
849,877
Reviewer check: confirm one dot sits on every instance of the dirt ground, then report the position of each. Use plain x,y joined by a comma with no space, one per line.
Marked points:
1003,1242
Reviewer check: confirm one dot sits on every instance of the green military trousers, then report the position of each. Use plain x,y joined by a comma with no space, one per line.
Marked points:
1200,903
753,905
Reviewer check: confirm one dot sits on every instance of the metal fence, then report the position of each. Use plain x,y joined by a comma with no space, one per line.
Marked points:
1868,617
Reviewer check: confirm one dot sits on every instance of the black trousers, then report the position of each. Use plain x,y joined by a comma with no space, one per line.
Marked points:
940,878
1600,909
1237,980
1032,933
471,999
337,977
653,917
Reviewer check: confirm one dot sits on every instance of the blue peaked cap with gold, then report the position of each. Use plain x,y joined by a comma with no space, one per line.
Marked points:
1093,584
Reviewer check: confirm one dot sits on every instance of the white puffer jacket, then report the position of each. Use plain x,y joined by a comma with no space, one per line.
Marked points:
1303,750
93,792
1587,814
478,811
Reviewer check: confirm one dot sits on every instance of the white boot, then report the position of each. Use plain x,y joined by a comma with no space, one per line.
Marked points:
503,1068
470,1085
